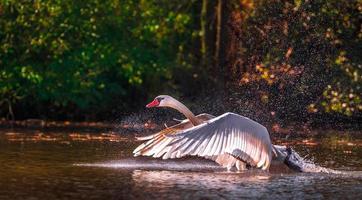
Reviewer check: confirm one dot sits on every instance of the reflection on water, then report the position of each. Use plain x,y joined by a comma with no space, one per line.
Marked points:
187,164
247,185
101,166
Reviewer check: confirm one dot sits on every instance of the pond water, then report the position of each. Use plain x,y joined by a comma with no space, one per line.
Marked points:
38,165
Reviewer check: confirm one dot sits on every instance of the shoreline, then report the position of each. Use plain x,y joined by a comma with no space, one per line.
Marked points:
149,127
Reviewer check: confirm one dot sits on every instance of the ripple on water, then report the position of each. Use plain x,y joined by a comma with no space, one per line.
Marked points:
105,169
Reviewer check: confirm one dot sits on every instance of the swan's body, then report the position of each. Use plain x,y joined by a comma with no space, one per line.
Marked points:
229,139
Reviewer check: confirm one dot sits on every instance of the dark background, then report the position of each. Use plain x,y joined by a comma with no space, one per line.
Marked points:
275,61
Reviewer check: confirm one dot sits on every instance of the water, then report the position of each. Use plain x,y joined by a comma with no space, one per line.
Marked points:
36,165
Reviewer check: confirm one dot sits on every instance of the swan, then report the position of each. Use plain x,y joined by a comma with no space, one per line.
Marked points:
231,140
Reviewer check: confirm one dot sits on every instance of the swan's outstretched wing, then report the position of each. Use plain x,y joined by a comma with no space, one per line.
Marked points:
229,133
156,139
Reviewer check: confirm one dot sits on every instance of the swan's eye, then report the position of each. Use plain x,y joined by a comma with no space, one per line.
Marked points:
159,99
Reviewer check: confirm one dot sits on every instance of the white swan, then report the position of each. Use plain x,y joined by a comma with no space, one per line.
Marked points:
229,139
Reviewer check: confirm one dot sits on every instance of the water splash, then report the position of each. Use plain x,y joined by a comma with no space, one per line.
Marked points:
294,161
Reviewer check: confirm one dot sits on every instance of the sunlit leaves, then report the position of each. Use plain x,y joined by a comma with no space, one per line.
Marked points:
338,99
301,47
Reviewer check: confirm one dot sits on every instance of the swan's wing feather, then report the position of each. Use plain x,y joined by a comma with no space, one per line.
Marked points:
229,133
205,117
156,141
184,124
170,130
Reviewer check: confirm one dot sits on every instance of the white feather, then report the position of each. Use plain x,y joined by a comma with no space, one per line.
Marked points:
218,136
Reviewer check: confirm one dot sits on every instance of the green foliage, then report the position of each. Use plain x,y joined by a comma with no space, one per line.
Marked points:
76,59
88,55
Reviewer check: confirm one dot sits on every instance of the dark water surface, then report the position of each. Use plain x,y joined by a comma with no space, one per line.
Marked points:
38,165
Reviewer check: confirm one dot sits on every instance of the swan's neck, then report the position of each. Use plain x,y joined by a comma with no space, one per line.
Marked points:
184,110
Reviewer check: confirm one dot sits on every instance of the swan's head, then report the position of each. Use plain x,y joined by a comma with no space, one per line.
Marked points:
161,101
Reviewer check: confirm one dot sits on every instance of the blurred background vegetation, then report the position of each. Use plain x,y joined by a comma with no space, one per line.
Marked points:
100,59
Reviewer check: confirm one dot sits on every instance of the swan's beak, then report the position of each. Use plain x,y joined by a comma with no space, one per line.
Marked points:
154,103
